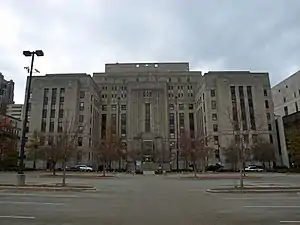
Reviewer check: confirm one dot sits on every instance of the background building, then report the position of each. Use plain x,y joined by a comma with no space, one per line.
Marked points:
6,93
149,106
234,106
15,110
286,97
57,100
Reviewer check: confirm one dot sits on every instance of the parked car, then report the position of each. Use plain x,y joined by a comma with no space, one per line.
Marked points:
254,168
84,168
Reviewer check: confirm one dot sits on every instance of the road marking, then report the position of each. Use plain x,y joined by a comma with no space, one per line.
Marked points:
290,221
272,206
19,217
39,195
265,198
31,203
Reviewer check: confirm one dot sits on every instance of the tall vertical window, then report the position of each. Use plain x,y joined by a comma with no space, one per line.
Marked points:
243,109
53,96
286,111
267,104
103,126
192,125
234,108
113,123
123,124
251,108
172,125
296,107
147,117
181,123
51,125
43,125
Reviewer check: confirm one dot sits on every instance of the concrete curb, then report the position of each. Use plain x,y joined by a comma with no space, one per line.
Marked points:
36,188
220,178
78,176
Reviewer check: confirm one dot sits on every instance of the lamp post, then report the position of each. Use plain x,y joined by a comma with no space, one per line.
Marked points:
21,175
177,134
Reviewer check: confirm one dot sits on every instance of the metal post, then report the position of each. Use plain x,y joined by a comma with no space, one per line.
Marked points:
177,134
24,126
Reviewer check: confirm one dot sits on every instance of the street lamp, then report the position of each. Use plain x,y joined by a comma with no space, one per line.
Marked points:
177,138
21,175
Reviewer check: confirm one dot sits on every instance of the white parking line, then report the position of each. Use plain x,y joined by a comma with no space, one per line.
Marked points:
265,198
19,217
31,203
39,195
290,221
272,206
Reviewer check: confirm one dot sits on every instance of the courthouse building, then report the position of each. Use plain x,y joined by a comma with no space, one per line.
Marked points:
149,106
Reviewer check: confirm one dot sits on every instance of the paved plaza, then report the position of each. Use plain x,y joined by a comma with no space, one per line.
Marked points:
148,200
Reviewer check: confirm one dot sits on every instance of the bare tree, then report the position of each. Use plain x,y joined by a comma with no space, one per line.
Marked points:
263,151
195,149
33,147
108,150
293,144
62,146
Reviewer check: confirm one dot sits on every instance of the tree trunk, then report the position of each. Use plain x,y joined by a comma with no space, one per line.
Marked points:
34,164
53,168
203,165
241,176
120,163
103,169
64,173
195,169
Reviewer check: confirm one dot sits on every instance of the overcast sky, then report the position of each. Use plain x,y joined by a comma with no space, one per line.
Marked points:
83,35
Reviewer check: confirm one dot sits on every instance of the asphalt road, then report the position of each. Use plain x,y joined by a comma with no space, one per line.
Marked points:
159,200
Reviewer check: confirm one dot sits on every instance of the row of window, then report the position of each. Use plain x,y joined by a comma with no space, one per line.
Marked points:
114,96
181,106
113,107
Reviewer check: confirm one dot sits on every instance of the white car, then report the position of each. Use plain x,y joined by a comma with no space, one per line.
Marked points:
253,169
84,168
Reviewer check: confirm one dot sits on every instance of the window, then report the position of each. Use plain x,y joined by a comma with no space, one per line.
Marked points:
269,127
215,127
80,129
45,101
296,106
81,94
113,107
104,107
43,125
192,125
249,91
52,113
191,106
267,104
46,92
284,99
44,113
123,107
103,126
268,116
212,93
81,118
114,123
254,138
295,94
62,91
61,99
181,106
216,140
147,117
79,141
51,126
265,93
246,138
214,117
59,127
181,122
123,124
213,104
171,123
171,107
286,111
61,113
271,138
81,106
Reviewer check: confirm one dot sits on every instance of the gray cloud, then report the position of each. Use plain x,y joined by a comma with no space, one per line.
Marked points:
84,35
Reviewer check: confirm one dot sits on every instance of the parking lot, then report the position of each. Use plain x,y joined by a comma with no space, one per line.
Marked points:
163,200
